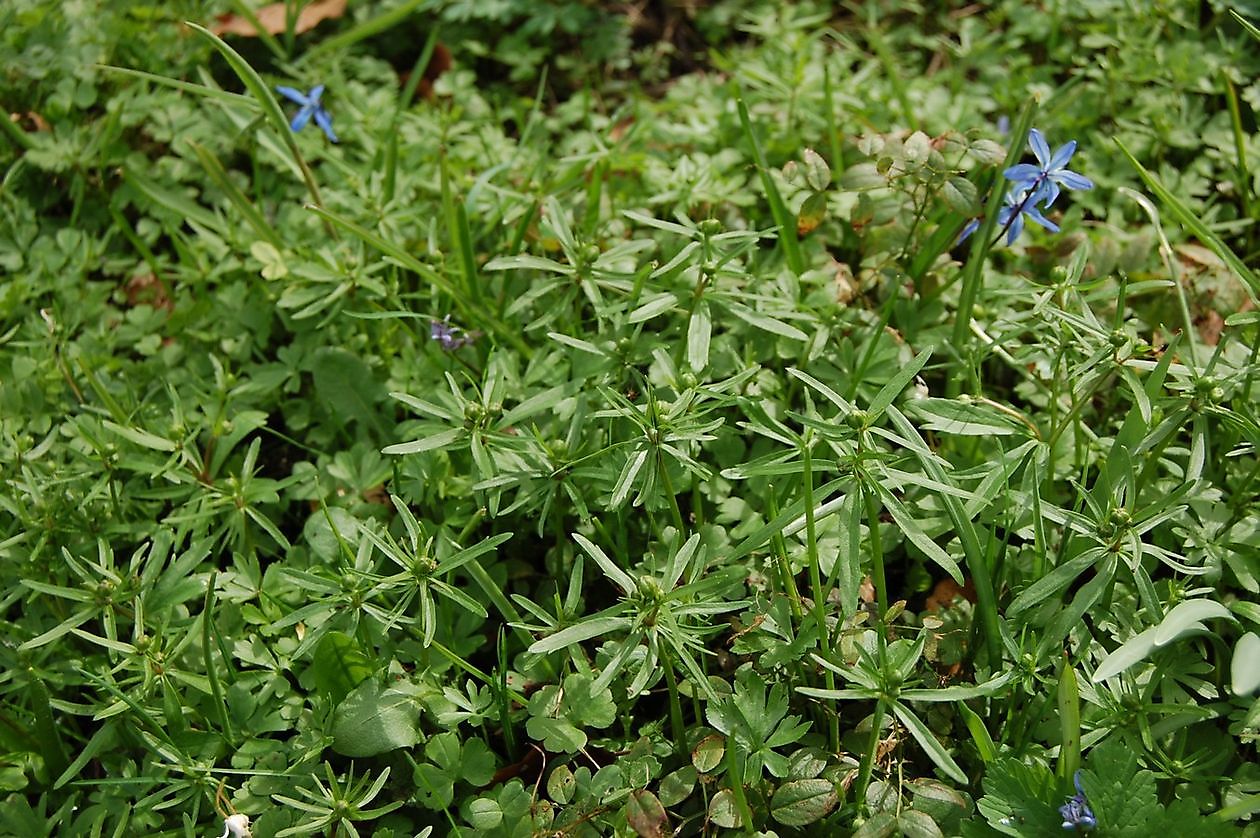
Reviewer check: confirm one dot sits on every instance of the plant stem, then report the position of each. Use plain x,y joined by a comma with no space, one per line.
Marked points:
816,585
878,577
668,486
973,271
868,759
786,579
675,707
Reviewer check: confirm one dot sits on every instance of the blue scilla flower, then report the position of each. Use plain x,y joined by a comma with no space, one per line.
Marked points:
449,336
1076,812
1019,203
1044,179
310,108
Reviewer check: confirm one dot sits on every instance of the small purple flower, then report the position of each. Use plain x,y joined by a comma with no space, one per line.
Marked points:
310,108
451,337
1011,217
1076,812
1044,179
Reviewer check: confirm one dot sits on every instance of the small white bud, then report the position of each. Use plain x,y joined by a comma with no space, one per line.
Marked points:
236,826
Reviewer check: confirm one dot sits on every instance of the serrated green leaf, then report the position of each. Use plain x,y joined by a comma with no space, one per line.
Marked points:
347,387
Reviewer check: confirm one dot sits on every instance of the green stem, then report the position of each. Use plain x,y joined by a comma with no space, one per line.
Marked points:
981,243
675,707
14,131
872,749
877,551
212,674
786,579
815,581
668,486
735,773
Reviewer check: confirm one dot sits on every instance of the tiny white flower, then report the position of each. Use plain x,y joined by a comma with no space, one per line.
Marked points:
236,826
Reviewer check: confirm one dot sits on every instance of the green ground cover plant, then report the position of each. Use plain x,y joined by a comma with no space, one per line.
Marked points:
570,418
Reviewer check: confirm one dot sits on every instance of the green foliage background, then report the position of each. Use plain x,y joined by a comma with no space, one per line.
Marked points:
654,551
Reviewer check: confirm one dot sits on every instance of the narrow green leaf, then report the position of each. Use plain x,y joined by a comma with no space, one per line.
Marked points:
428,443
1192,222
173,201
1054,581
271,109
585,630
364,30
914,533
778,209
235,99
929,743
767,323
626,481
699,329
1069,698
897,383
657,305
215,171
139,437
1187,616
616,574
979,733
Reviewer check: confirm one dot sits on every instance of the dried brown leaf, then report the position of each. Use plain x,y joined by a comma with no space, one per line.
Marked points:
272,18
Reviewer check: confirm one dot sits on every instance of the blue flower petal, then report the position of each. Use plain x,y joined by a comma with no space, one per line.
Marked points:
318,90
1048,191
1039,147
1062,155
1017,227
1036,216
972,226
303,116
324,121
1022,173
291,94
1072,180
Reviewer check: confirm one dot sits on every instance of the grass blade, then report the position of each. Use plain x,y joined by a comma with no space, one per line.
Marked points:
782,218
271,109
1195,225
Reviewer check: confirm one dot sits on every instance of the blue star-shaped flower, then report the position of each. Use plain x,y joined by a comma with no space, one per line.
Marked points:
1076,812
310,108
449,336
1011,216
1051,172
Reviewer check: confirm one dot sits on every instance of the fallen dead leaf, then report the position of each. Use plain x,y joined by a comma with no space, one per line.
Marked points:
30,121
439,63
273,19
947,590
1210,324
